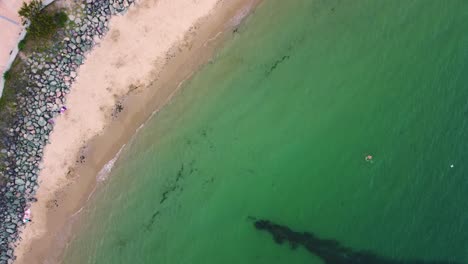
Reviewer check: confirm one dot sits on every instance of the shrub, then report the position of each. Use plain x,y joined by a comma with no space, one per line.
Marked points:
61,18
42,24
22,44
7,75
30,11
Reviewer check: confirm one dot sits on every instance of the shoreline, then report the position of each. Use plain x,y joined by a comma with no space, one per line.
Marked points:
69,174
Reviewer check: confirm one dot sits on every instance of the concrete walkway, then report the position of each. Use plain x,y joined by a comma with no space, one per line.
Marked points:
10,33
10,20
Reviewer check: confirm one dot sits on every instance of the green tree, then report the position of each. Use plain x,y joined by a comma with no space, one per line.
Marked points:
30,11
43,24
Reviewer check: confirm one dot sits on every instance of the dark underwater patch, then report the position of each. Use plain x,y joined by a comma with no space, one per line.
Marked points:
150,224
329,250
276,64
180,175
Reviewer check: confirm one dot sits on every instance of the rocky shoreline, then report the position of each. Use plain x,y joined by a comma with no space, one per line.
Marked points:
50,76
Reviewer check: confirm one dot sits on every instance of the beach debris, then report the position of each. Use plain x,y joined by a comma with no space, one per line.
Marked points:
63,109
117,109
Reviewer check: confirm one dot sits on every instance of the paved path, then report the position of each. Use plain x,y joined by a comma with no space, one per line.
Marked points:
10,20
10,30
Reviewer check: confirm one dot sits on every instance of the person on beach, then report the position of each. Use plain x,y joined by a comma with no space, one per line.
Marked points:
63,109
27,216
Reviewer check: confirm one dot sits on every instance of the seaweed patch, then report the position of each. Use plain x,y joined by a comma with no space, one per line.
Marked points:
276,63
180,173
150,224
166,194
176,184
329,250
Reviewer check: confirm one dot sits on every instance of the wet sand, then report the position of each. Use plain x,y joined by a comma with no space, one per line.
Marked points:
133,72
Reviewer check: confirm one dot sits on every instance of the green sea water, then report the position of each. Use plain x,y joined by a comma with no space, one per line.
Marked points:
277,127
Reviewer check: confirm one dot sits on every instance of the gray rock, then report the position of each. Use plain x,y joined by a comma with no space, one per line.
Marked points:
42,122
19,181
79,59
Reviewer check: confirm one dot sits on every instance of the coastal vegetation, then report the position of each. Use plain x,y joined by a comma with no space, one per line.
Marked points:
43,23
45,30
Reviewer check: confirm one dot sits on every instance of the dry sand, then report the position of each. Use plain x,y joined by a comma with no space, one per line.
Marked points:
140,64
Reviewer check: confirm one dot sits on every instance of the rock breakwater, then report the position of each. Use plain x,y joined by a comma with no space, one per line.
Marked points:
50,75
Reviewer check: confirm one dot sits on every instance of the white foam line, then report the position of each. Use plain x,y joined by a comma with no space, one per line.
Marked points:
170,96
101,176
140,127
107,168
241,15
77,212
91,193
213,38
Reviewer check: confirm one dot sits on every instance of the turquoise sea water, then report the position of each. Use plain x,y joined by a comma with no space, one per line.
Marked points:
278,127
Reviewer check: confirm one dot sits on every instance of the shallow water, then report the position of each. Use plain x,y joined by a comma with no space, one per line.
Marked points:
277,127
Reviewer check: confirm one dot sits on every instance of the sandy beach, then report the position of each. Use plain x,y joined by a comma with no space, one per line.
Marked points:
133,72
